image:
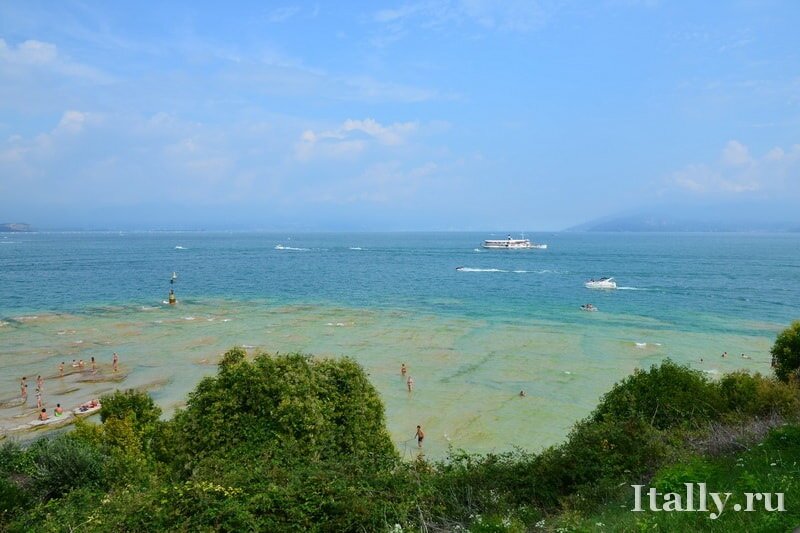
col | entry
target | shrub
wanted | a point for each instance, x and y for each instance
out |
(755, 395)
(63, 463)
(668, 395)
(289, 405)
(786, 352)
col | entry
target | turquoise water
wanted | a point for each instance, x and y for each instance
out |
(509, 321)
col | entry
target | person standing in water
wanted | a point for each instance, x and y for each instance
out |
(410, 383)
(115, 362)
(38, 398)
(403, 369)
(94, 366)
(39, 383)
(420, 436)
(23, 389)
(61, 369)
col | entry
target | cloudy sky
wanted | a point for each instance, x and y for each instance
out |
(436, 114)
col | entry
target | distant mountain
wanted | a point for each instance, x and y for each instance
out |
(668, 223)
(14, 227)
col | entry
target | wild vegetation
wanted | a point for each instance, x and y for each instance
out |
(296, 443)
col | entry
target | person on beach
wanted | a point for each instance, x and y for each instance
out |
(43, 414)
(61, 369)
(23, 389)
(403, 369)
(410, 383)
(420, 436)
(115, 362)
(58, 410)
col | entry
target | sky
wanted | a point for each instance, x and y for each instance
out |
(421, 115)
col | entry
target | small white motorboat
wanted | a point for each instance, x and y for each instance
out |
(602, 283)
(588, 307)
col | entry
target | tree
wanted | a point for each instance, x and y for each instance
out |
(786, 352)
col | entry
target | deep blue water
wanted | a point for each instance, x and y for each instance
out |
(677, 281)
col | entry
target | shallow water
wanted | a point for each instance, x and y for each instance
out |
(472, 339)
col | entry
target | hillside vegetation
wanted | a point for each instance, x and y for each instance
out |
(296, 443)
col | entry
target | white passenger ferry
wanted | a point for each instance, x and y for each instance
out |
(512, 244)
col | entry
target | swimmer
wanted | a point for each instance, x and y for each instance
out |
(724, 355)
(420, 436)
(410, 383)
(80, 364)
(522, 394)
(745, 356)
(403, 369)
(74, 364)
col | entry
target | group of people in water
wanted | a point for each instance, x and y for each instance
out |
(744, 356)
(419, 436)
(59, 411)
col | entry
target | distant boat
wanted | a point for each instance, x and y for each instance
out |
(602, 283)
(512, 244)
(588, 307)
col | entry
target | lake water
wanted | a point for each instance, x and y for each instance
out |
(510, 320)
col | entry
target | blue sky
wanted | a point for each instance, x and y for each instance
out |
(515, 115)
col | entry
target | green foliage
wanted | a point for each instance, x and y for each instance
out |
(755, 395)
(668, 395)
(131, 404)
(293, 443)
(63, 463)
(786, 352)
(291, 405)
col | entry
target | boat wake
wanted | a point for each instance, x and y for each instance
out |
(282, 247)
(632, 289)
(356, 248)
(467, 269)
(180, 248)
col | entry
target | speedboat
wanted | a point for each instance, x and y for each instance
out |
(588, 307)
(602, 283)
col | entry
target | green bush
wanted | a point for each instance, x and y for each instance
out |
(291, 405)
(755, 395)
(63, 463)
(667, 396)
(786, 352)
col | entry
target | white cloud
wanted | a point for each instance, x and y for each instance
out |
(39, 56)
(510, 15)
(737, 172)
(29, 52)
(351, 138)
(736, 154)
(282, 14)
